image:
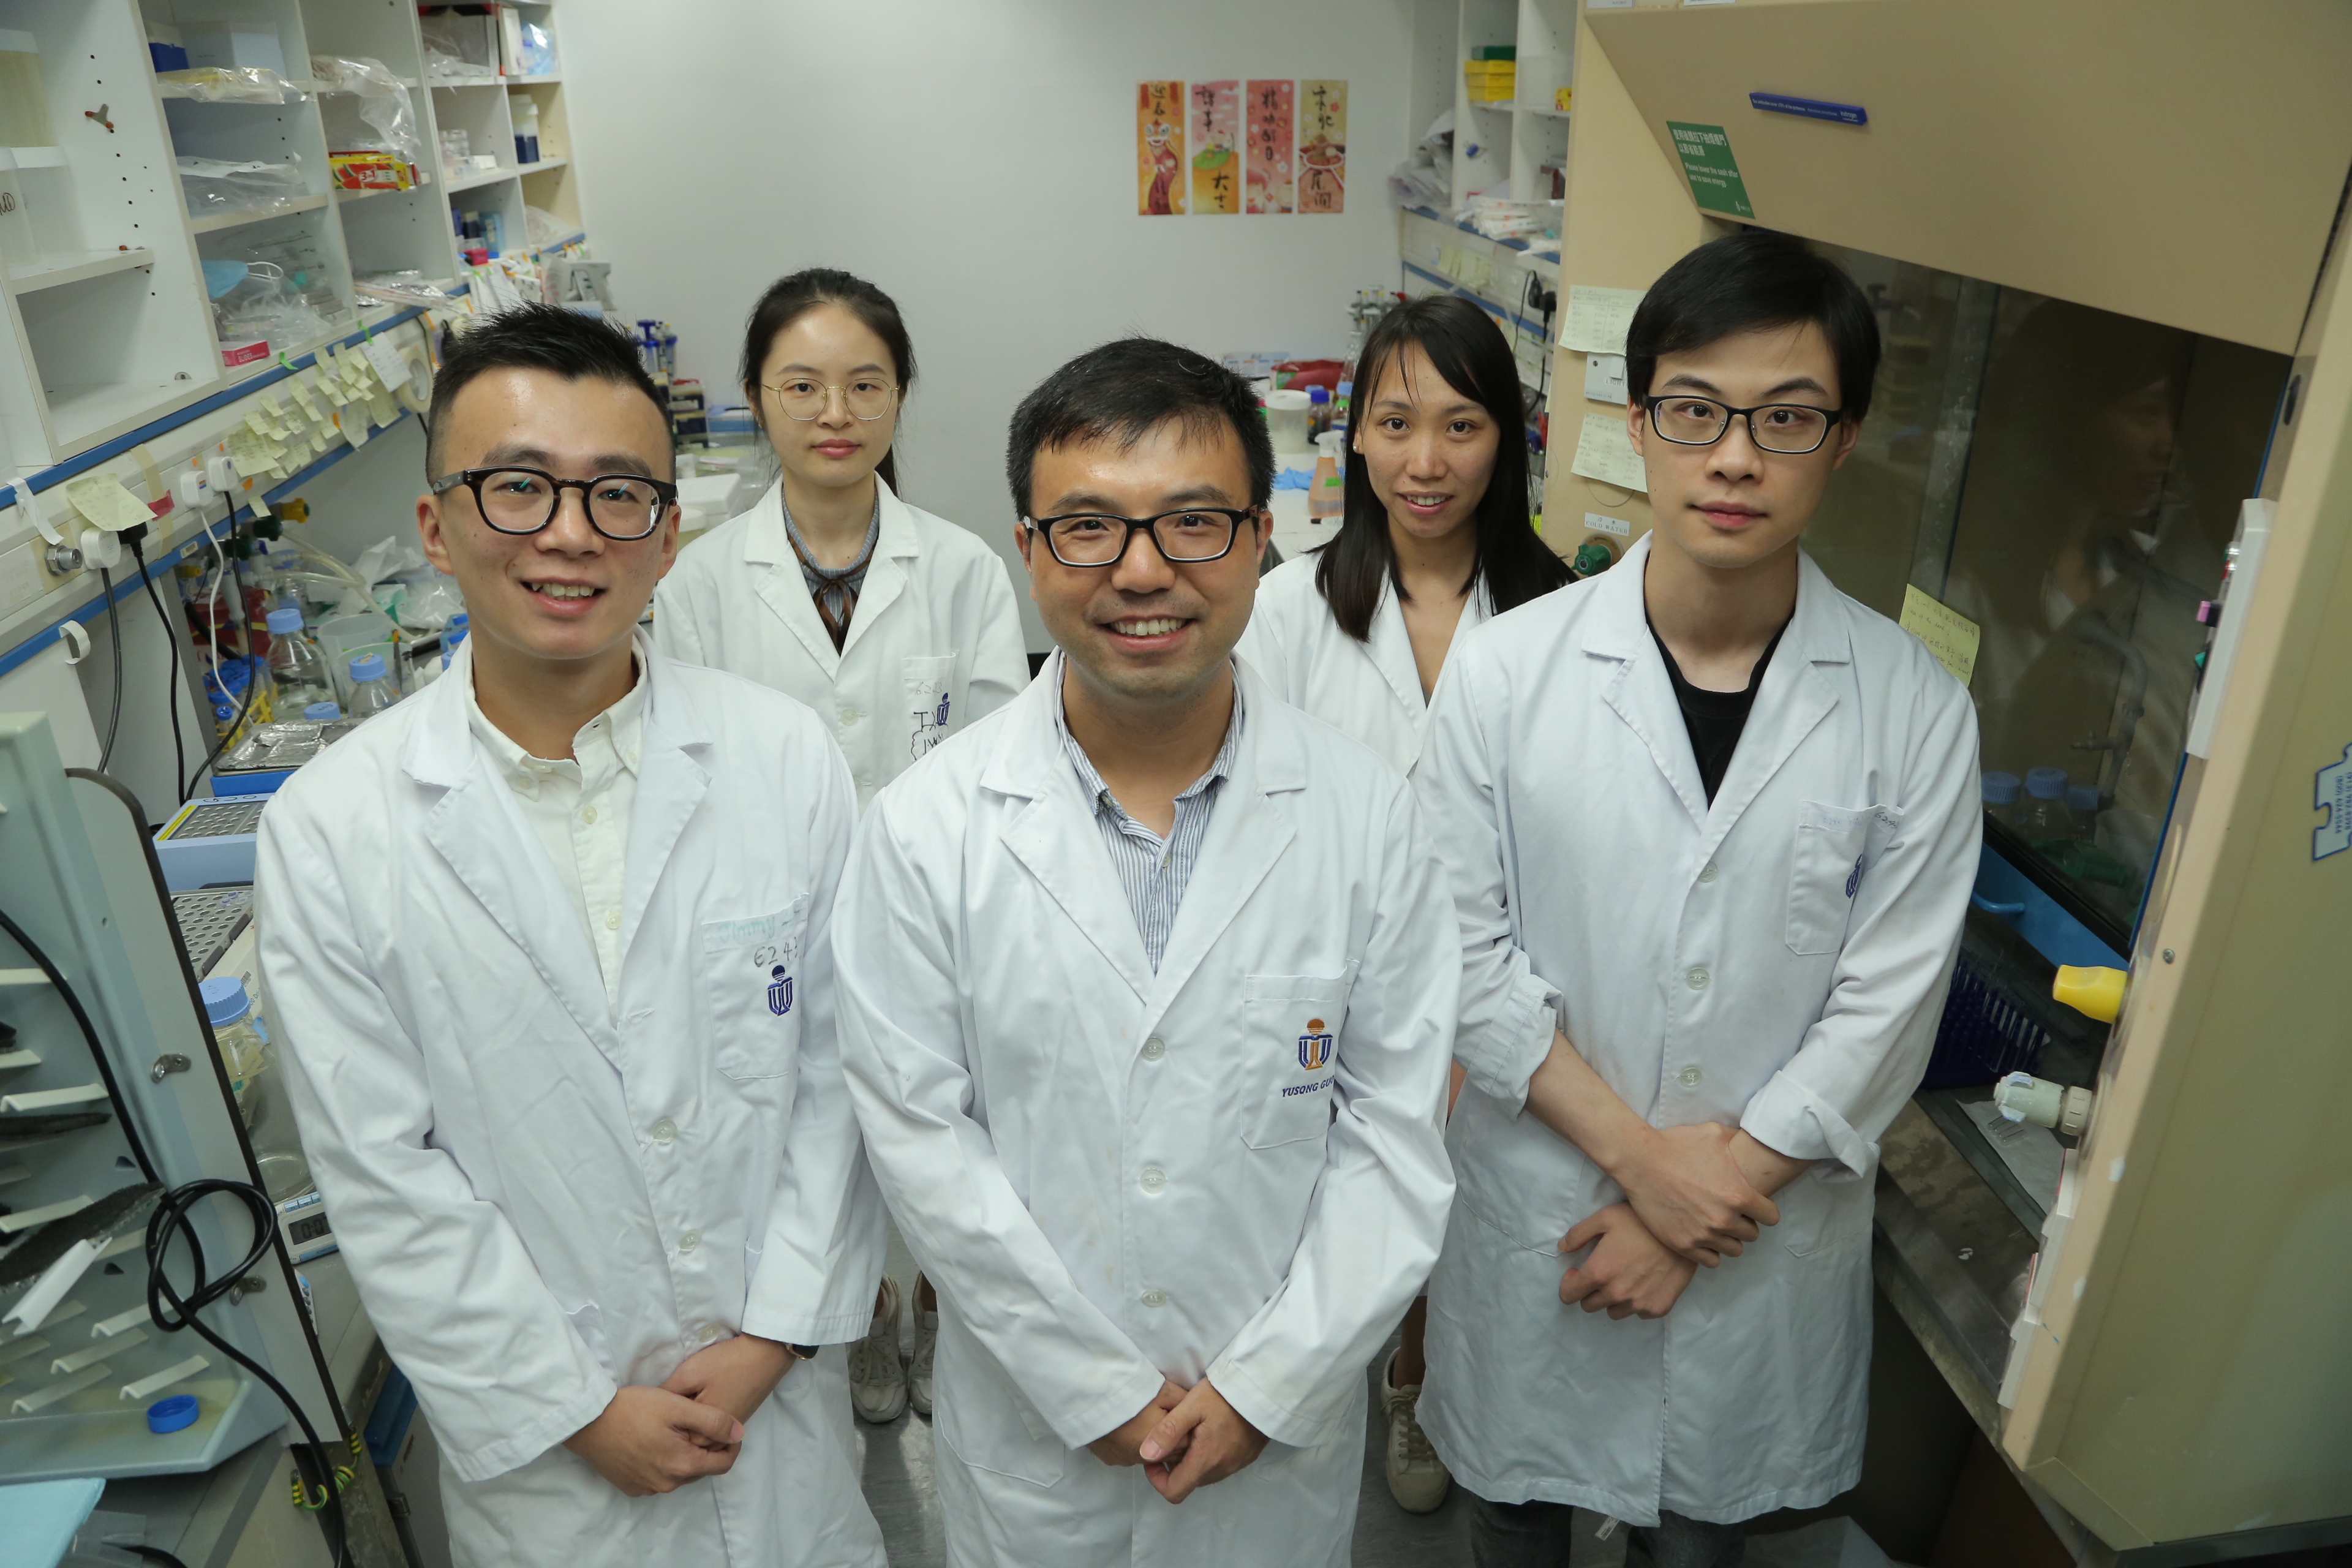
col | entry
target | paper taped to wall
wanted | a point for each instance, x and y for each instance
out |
(1604, 452)
(1596, 318)
(1951, 637)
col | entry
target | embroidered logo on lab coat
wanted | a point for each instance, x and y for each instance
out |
(1315, 1045)
(1855, 880)
(930, 727)
(780, 992)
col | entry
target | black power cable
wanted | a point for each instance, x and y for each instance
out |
(171, 1218)
(114, 636)
(171, 698)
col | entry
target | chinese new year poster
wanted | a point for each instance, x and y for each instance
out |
(1216, 146)
(1160, 148)
(1268, 183)
(1322, 146)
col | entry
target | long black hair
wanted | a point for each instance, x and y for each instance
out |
(1466, 348)
(789, 299)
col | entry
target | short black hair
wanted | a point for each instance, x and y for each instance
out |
(574, 346)
(1750, 280)
(1125, 390)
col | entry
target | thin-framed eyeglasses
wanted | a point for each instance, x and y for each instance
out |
(621, 506)
(803, 397)
(1184, 537)
(1790, 429)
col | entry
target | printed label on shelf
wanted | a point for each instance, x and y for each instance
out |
(1600, 523)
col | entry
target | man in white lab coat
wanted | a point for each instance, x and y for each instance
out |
(549, 946)
(1148, 986)
(1712, 826)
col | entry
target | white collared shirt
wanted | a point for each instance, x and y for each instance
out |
(580, 807)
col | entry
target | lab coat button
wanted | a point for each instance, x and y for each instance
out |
(1690, 1077)
(1708, 872)
(588, 815)
(1698, 977)
(851, 716)
(713, 1332)
(1154, 1049)
(664, 1131)
(1154, 1178)
(1155, 1297)
(612, 920)
(690, 1241)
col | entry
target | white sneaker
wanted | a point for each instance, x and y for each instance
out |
(1417, 1477)
(877, 1378)
(919, 1369)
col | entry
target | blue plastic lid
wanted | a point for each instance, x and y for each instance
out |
(368, 666)
(2046, 784)
(322, 712)
(285, 619)
(1318, 395)
(2083, 797)
(225, 1000)
(459, 622)
(1999, 789)
(171, 1414)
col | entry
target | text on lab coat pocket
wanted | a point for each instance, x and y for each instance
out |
(1834, 848)
(925, 679)
(1290, 1033)
(750, 979)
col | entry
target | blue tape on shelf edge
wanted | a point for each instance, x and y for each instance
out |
(388, 1422)
(1810, 107)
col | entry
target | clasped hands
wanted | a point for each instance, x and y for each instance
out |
(1184, 1439)
(653, 1440)
(1693, 1197)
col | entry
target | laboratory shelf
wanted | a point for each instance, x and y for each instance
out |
(536, 80)
(39, 157)
(472, 182)
(245, 215)
(541, 167)
(74, 267)
(451, 84)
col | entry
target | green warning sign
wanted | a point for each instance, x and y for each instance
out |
(1714, 173)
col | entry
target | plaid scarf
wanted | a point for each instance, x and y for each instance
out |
(835, 592)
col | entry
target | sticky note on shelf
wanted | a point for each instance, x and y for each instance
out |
(1595, 320)
(1951, 637)
(106, 502)
(390, 368)
(1604, 452)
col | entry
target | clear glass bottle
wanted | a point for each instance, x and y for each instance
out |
(240, 1032)
(2082, 809)
(2000, 792)
(297, 669)
(2042, 814)
(371, 688)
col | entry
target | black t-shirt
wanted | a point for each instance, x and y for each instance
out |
(1714, 719)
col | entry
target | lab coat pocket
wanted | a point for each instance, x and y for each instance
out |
(1820, 1209)
(925, 679)
(751, 990)
(983, 1418)
(1835, 846)
(1290, 1030)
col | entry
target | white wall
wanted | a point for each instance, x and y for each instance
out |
(976, 159)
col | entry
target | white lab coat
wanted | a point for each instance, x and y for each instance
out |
(1230, 1167)
(934, 644)
(1370, 690)
(1777, 961)
(543, 1194)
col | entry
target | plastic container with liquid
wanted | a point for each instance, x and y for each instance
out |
(371, 688)
(2042, 814)
(1287, 419)
(297, 668)
(1326, 492)
(237, 1029)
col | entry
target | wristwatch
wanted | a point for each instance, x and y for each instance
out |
(805, 1352)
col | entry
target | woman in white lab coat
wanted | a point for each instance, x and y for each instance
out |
(898, 627)
(1436, 539)
(1436, 536)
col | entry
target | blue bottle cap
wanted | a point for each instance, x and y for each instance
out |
(322, 712)
(1999, 789)
(171, 1414)
(284, 620)
(225, 1000)
(2083, 797)
(2046, 784)
(1318, 395)
(368, 666)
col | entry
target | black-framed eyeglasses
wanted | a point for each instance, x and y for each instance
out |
(1790, 429)
(621, 506)
(1184, 537)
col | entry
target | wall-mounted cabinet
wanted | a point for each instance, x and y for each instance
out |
(160, 241)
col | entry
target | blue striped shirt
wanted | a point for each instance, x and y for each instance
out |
(1151, 869)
